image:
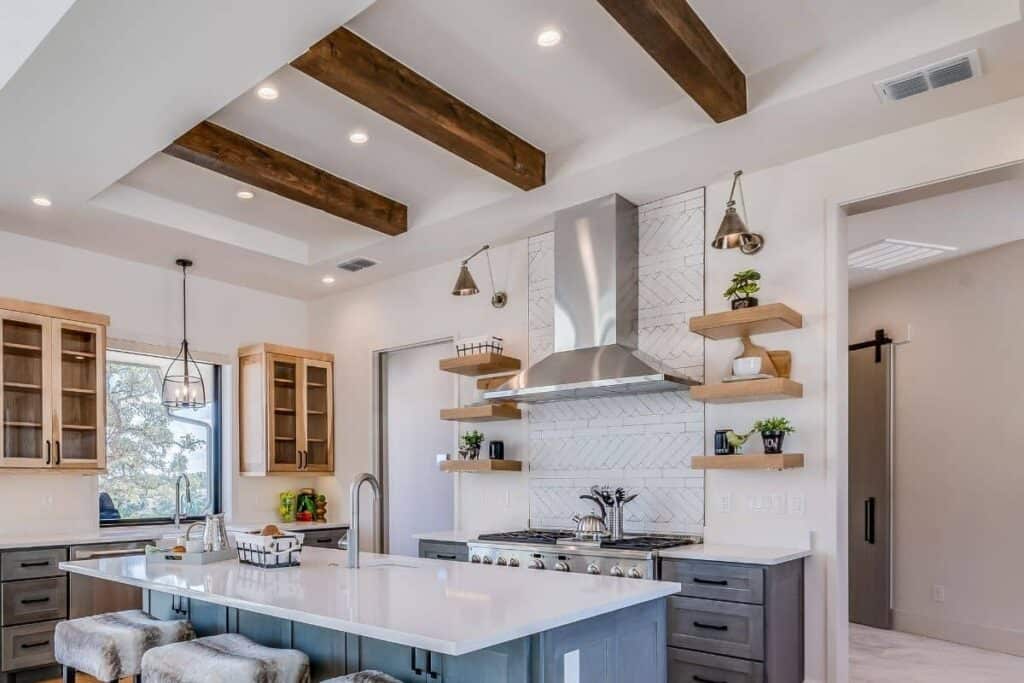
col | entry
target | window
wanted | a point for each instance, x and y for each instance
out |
(150, 445)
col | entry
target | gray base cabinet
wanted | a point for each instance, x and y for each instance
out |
(735, 623)
(627, 646)
(33, 598)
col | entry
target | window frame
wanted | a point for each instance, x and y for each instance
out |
(216, 454)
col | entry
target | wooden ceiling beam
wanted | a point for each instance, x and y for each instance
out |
(672, 33)
(358, 70)
(236, 156)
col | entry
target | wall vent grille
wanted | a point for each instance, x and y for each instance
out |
(354, 265)
(938, 75)
(888, 253)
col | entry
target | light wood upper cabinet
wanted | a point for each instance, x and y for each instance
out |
(286, 410)
(53, 393)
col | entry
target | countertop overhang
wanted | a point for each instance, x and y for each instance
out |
(451, 608)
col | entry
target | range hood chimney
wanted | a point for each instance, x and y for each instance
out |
(596, 309)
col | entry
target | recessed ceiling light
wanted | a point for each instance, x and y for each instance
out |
(244, 194)
(890, 253)
(266, 92)
(358, 137)
(40, 200)
(327, 280)
(549, 37)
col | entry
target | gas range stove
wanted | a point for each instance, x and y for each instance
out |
(541, 549)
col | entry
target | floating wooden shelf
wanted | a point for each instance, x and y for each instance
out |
(747, 321)
(481, 466)
(480, 364)
(487, 413)
(774, 389)
(748, 461)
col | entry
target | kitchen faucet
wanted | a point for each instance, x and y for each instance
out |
(353, 532)
(177, 498)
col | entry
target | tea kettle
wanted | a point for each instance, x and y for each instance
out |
(591, 527)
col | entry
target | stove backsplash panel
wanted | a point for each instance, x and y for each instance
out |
(645, 442)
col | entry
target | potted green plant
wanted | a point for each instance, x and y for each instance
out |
(471, 442)
(773, 431)
(743, 288)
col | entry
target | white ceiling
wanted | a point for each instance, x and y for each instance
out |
(85, 120)
(970, 220)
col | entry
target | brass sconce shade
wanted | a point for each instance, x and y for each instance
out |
(734, 232)
(465, 285)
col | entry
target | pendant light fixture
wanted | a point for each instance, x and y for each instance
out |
(183, 383)
(465, 285)
(733, 231)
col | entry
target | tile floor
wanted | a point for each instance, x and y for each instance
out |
(878, 656)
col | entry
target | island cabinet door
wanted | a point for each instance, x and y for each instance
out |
(407, 664)
(505, 663)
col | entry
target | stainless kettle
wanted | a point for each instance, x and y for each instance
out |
(591, 527)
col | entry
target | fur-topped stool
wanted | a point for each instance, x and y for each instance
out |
(229, 657)
(365, 677)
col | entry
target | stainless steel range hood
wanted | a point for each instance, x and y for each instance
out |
(596, 308)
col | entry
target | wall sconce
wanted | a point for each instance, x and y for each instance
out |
(465, 285)
(733, 231)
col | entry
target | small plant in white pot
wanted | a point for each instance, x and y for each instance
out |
(773, 431)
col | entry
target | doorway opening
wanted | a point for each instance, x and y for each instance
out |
(416, 496)
(934, 474)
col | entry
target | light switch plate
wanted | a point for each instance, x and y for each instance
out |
(725, 503)
(797, 504)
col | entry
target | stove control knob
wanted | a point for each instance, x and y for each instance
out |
(501, 561)
(488, 560)
(616, 571)
(475, 559)
(535, 564)
(593, 569)
(513, 561)
(562, 567)
(635, 573)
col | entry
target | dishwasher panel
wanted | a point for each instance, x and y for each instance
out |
(95, 596)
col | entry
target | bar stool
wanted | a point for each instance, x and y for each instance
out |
(226, 658)
(111, 646)
(365, 677)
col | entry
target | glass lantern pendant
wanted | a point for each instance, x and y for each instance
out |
(183, 383)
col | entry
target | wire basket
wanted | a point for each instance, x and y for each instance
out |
(471, 346)
(269, 552)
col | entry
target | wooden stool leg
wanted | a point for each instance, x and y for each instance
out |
(69, 675)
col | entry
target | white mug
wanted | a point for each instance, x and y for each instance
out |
(746, 367)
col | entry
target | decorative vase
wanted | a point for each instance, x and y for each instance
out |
(745, 302)
(286, 507)
(773, 442)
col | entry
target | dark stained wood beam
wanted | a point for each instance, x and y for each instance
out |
(358, 70)
(672, 33)
(226, 152)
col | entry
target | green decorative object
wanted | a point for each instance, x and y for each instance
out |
(742, 289)
(738, 440)
(471, 442)
(773, 432)
(286, 507)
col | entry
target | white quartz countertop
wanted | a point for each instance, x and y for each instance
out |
(119, 534)
(743, 554)
(448, 607)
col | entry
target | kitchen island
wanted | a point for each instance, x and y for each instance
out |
(419, 619)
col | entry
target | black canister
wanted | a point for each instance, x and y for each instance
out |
(497, 450)
(722, 445)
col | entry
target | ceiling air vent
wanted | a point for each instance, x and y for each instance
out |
(354, 265)
(888, 253)
(953, 70)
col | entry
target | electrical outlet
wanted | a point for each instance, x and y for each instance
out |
(939, 593)
(797, 504)
(778, 506)
(725, 503)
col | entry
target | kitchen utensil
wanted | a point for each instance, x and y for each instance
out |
(215, 536)
(783, 362)
(597, 501)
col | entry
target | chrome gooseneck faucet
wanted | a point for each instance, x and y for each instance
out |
(353, 532)
(177, 498)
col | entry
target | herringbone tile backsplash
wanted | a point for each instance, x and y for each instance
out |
(643, 443)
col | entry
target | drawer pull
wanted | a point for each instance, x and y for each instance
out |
(34, 601)
(446, 557)
(713, 627)
(323, 540)
(711, 582)
(701, 679)
(42, 563)
(28, 646)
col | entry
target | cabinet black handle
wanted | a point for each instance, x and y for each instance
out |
(42, 563)
(34, 601)
(711, 582)
(415, 669)
(323, 540)
(869, 520)
(47, 451)
(430, 666)
(713, 627)
(446, 557)
(41, 643)
(57, 443)
(701, 679)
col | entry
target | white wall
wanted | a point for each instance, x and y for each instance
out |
(956, 465)
(144, 304)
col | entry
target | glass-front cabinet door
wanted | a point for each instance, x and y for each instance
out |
(285, 436)
(78, 411)
(318, 454)
(26, 365)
